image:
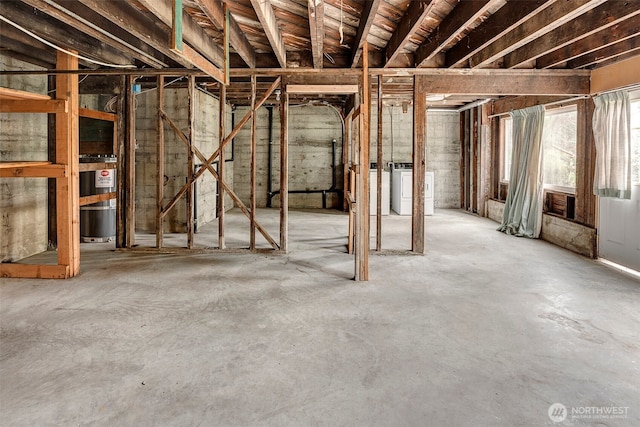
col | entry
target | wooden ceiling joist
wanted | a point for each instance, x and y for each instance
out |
(366, 21)
(604, 16)
(463, 14)
(626, 47)
(625, 30)
(408, 25)
(316, 31)
(214, 9)
(556, 15)
(508, 17)
(267, 18)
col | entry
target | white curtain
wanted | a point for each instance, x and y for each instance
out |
(523, 208)
(612, 134)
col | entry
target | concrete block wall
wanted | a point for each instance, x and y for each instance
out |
(442, 148)
(206, 140)
(23, 201)
(311, 131)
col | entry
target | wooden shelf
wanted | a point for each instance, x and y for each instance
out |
(98, 115)
(32, 170)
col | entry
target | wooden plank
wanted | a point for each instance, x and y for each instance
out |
(176, 25)
(316, 30)
(532, 30)
(195, 58)
(34, 106)
(505, 105)
(379, 169)
(475, 145)
(34, 271)
(586, 201)
(253, 167)
(98, 115)
(362, 195)
(215, 10)
(87, 167)
(95, 198)
(267, 17)
(160, 170)
(369, 12)
(604, 16)
(321, 89)
(130, 171)
(221, 165)
(508, 17)
(120, 137)
(462, 15)
(32, 170)
(346, 143)
(192, 135)
(284, 170)
(462, 157)
(419, 140)
(628, 46)
(7, 94)
(408, 25)
(617, 75)
(623, 31)
(503, 84)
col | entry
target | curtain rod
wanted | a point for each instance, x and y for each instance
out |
(548, 104)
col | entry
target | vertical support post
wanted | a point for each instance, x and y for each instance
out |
(252, 236)
(346, 143)
(379, 169)
(51, 182)
(495, 158)
(192, 136)
(121, 207)
(462, 159)
(362, 196)
(586, 201)
(67, 146)
(160, 166)
(130, 179)
(475, 159)
(284, 168)
(419, 137)
(221, 165)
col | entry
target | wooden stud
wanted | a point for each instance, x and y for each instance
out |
(121, 217)
(51, 183)
(67, 146)
(130, 171)
(160, 167)
(474, 159)
(419, 139)
(284, 170)
(586, 201)
(346, 143)
(190, 164)
(252, 196)
(462, 158)
(362, 192)
(379, 171)
(221, 164)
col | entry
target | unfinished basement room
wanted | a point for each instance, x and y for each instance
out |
(320, 213)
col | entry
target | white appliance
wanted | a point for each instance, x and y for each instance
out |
(373, 192)
(402, 189)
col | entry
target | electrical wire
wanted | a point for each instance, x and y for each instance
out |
(35, 36)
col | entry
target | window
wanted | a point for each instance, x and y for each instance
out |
(559, 139)
(635, 137)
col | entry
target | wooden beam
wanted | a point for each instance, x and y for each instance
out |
(513, 14)
(95, 198)
(31, 271)
(284, 169)
(68, 188)
(120, 136)
(503, 84)
(617, 75)
(629, 46)
(8, 94)
(628, 30)
(253, 167)
(215, 11)
(221, 164)
(586, 201)
(34, 106)
(379, 169)
(130, 170)
(86, 167)
(316, 31)
(604, 16)
(369, 12)
(98, 115)
(505, 105)
(475, 145)
(362, 235)
(321, 89)
(463, 150)
(419, 168)
(462, 15)
(267, 18)
(32, 170)
(407, 27)
(191, 133)
(160, 164)
(531, 30)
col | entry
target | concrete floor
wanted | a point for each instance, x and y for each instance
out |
(484, 330)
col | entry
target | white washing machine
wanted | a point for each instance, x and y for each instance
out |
(373, 192)
(402, 189)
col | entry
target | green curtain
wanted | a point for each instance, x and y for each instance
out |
(523, 209)
(612, 134)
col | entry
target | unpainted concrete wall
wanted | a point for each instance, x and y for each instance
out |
(311, 131)
(206, 140)
(23, 201)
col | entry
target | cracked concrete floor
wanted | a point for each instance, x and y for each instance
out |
(484, 330)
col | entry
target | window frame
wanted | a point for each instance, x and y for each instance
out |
(554, 111)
